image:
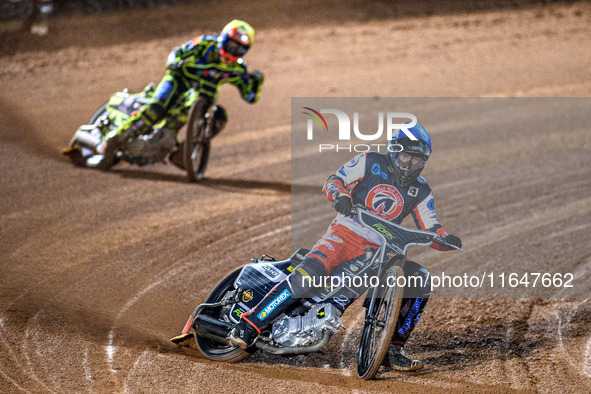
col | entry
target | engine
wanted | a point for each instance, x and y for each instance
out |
(152, 147)
(307, 329)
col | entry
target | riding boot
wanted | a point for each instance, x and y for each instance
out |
(114, 142)
(398, 360)
(177, 157)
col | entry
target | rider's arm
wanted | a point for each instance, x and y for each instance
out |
(426, 219)
(351, 172)
(249, 85)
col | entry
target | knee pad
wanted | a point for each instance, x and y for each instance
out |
(154, 112)
(220, 119)
(303, 277)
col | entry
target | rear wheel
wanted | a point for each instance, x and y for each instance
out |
(196, 142)
(209, 348)
(99, 112)
(380, 324)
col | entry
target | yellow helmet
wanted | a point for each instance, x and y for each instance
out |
(235, 40)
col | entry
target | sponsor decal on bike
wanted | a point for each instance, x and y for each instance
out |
(285, 294)
(334, 238)
(270, 271)
(247, 296)
(377, 170)
(238, 312)
(320, 313)
(383, 230)
(353, 267)
(385, 199)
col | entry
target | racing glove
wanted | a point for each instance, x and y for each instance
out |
(257, 76)
(256, 80)
(343, 204)
(453, 240)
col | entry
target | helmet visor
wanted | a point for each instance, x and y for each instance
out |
(235, 48)
(406, 161)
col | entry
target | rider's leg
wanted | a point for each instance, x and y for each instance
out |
(414, 302)
(220, 119)
(337, 245)
(297, 285)
(150, 114)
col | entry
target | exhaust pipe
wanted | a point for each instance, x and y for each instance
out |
(217, 330)
(83, 138)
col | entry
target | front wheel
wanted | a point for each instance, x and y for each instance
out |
(211, 349)
(380, 323)
(197, 142)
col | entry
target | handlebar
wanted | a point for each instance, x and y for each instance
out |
(437, 238)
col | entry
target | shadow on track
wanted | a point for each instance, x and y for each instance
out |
(214, 183)
(15, 128)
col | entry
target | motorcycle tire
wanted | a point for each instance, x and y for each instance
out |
(211, 349)
(380, 324)
(197, 146)
(98, 113)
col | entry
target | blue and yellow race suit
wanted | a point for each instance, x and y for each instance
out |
(197, 63)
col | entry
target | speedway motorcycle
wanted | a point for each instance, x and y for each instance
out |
(308, 326)
(192, 109)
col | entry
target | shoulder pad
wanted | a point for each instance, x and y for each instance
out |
(422, 180)
(197, 40)
(211, 37)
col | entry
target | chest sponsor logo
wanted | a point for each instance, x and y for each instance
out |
(377, 170)
(385, 199)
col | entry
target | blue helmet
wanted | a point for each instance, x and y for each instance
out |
(408, 157)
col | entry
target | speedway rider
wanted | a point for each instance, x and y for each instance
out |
(390, 184)
(209, 60)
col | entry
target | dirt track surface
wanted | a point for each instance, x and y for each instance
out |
(99, 270)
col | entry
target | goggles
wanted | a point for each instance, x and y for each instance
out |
(234, 48)
(408, 161)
